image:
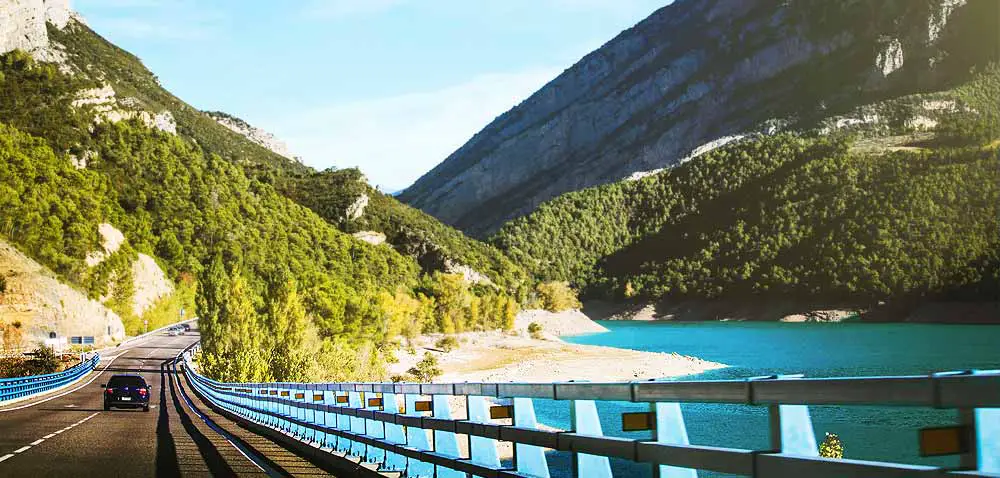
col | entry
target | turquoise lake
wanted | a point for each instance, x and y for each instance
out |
(812, 349)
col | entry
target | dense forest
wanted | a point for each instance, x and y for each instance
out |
(790, 215)
(281, 293)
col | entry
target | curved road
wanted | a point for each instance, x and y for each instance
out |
(72, 435)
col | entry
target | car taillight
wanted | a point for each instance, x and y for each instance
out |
(110, 391)
(143, 392)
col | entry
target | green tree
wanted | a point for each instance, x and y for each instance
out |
(557, 296)
(426, 370)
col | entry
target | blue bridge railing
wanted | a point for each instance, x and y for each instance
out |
(409, 428)
(23, 387)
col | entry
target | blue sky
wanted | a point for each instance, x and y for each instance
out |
(390, 86)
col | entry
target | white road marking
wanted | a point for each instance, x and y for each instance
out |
(50, 435)
(37, 441)
(5, 457)
(23, 448)
(72, 405)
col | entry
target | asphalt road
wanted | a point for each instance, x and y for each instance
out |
(72, 435)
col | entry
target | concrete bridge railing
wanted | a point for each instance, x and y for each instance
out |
(408, 428)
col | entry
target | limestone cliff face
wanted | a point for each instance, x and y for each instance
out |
(22, 23)
(253, 133)
(692, 73)
(44, 306)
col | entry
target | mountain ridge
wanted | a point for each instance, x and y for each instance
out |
(691, 73)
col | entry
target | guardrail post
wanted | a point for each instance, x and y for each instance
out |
(791, 427)
(482, 451)
(986, 450)
(355, 400)
(416, 438)
(344, 445)
(670, 429)
(529, 459)
(374, 429)
(445, 443)
(300, 397)
(586, 422)
(393, 434)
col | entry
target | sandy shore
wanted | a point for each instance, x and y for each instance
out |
(515, 357)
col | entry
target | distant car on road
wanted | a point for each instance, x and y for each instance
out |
(187, 327)
(126, 391)
(173, 331)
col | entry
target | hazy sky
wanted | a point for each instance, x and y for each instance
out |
(390, 86)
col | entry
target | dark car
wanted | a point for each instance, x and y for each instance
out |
(126, 391)
(187, 327)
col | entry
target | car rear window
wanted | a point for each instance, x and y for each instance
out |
(117, 382)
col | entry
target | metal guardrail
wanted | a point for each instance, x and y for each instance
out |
(367, 421)
(22, 387)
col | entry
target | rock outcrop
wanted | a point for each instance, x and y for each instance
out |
(372, 237)
(253, 133)
(48, 310)
(692, 73)
(22, 24)
(149, 282)
(107, 107)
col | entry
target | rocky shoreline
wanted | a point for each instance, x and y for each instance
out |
(950, 312)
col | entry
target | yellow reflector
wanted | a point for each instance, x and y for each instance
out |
(375, 402)
(284, 393)
(638, 421)
(341, 398)
(422, 406)
(300, 396)
(318, 397)
(263, 392)
(501, 411)
(944, 441)
(274, 392)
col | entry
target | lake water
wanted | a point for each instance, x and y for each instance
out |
(813, 349)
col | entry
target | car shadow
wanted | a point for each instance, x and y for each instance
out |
(166, 451)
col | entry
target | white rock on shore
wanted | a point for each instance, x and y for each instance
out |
(563, 324)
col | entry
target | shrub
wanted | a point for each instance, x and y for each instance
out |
(557, 296)
(3, 284)
(831, 447)
(45, 361)
(13, 336)
(447, 343)
(426, 370)
(535, 330)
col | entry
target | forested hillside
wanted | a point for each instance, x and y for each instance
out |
(282, 294)
(436, 246)
(809, 216)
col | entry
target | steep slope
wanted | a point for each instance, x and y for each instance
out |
(281, 292)
(138, 88)
(254, 134)
(346, 200)
(694, 72)
(896, 201)
(34, 302)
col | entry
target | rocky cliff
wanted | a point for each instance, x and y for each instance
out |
(22, 23)
(253, 134)
(695, 72)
